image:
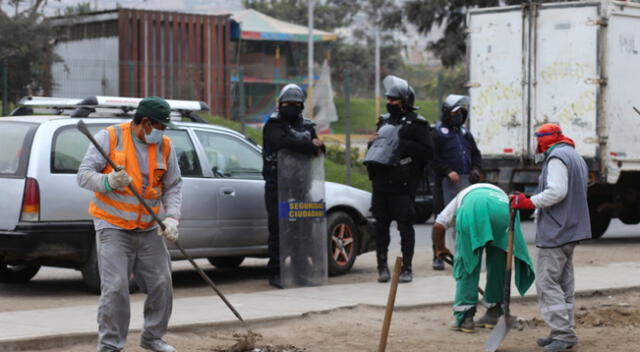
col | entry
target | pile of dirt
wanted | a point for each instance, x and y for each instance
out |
(611, 317)
(247, 343)
(593, 317)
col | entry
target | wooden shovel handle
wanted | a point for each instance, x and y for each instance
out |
(391, 300)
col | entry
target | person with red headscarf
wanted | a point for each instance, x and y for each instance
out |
(562, 220)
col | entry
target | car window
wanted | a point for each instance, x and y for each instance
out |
(185, 152)
(69, 148)
(15, 142)
(230, 157)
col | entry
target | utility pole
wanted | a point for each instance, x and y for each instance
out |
(5, 87)
(377, 71)
(347, 116)
(310, 61)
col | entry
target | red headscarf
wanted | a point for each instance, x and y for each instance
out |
(549, 135)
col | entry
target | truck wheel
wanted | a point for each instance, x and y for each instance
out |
(343, 241)
(599, 225)
(599, 221)
(226, 262)
(14, 274)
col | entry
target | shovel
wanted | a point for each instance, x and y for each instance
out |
(505, 322)
(82, 127)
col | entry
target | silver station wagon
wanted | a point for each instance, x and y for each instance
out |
(43, 212)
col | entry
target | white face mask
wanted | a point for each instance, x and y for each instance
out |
(154, 137)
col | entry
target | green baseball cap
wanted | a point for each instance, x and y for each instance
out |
(157, 109)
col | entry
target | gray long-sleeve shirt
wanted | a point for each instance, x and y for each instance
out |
(91, 178)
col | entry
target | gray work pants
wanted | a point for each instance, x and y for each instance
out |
(120, 253)
(556, 286)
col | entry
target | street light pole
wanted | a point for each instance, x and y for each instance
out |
(310, 61)
(377, 71)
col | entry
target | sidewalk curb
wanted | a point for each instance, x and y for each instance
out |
(63, 340)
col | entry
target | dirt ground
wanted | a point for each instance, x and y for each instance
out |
(605, 322)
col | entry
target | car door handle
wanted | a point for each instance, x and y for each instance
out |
(228, 192)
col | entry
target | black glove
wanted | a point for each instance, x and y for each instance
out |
(474, 176)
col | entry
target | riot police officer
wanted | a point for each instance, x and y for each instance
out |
(456, 158)
(285, 129)
(396, 158)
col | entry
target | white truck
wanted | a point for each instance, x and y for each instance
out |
(576, 64)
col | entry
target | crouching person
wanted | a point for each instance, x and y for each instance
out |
(128, 240)
(480, 216)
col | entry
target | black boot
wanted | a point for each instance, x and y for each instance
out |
(490, 318)
(383, 268)
(406, 274)
(466, 324)
(383, 274)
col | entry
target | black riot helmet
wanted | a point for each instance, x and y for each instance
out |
(455, 110)
(398, 88)
(291, 92)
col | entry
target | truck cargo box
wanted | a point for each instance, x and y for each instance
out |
(571, 63)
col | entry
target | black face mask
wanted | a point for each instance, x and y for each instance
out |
(394, 110)
(456, 120)
(291, 112)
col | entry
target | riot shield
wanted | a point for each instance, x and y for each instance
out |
(302, 220)
(384, 149)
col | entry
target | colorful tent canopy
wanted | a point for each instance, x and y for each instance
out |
(258, 26)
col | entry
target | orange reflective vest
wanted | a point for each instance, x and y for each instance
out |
(121, 207)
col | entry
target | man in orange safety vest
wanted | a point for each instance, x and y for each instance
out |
(125, 233)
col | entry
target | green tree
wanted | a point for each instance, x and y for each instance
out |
(26, 42)
(426, 14)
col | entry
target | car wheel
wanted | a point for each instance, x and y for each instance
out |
(91, 274)
(226, 262)
(13, 274)
(343, 241)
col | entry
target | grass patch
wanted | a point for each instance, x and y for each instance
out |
(363, 114)
(335, 172)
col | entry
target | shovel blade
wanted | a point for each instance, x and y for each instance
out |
(498, 333)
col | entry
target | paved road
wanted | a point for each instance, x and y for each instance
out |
(64, 287)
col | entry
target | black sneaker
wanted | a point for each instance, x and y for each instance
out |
(406, 275)
(438, 264)
(383, 274)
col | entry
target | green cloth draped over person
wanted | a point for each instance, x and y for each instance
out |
(480, 214)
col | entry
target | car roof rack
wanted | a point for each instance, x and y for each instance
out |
(104, 106)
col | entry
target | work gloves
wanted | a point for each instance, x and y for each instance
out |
(170, 231)
(519, 201)
(118, 179)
